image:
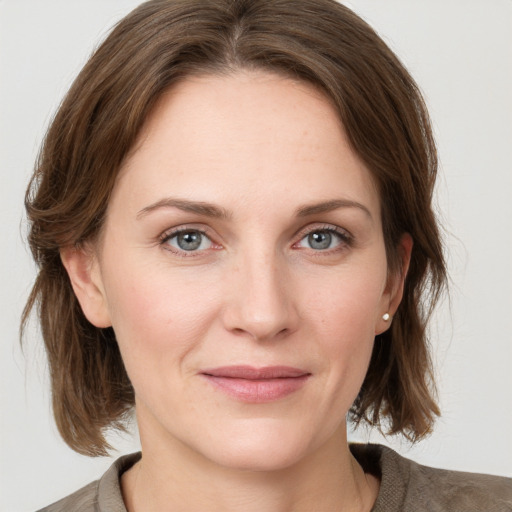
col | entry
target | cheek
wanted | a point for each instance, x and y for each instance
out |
(348, 301)
(158, 315)
(343, 314)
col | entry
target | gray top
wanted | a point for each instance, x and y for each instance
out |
(405, 486)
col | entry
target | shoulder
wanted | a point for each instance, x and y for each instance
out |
(83, 500)
(439, 489)
(103, 495)
(407, 485)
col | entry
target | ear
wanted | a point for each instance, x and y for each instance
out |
(82, 266)
(395, 285)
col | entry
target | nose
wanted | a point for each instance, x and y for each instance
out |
(259, 298)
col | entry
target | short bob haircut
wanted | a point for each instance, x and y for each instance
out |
(158, 45)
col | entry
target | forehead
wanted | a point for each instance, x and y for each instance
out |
(250, 132)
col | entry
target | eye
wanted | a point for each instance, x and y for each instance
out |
(323, 239)
(189, 240)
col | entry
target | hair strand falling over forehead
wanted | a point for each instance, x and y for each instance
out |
(157, 45)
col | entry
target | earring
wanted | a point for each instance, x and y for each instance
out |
(386, 317)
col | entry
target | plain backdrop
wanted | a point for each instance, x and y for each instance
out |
(460, 52)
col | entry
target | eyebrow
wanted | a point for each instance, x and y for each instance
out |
(217, 212)
(198, 207)
(329, 206)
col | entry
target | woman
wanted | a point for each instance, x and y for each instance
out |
(232, 217)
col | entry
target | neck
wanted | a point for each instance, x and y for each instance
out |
(170, 476)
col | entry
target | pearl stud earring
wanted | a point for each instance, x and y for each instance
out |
(386, 317)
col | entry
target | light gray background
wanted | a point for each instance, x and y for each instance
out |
(460, 51)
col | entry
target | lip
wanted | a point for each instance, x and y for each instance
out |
(256, 385)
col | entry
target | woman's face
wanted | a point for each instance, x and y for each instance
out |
(243, 269)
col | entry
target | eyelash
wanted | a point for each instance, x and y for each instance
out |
(346, 239)
(168, 235)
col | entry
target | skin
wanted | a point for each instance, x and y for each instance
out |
(258, 147)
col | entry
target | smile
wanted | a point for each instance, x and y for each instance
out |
(256, 385)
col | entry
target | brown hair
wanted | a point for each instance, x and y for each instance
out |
(155, 46)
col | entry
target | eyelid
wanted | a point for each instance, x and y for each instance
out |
(169, 233)
(311, 228)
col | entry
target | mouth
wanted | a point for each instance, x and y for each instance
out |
(256, 385)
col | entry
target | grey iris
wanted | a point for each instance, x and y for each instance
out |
(189, 241)
(320, 240)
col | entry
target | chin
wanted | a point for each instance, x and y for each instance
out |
(258, 448)
(258, 459)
